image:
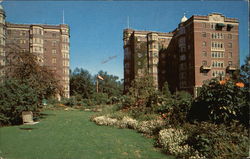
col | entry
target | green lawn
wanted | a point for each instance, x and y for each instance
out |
(70, 135)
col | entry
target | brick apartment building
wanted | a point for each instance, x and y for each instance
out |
(200, 48)
(49, 42)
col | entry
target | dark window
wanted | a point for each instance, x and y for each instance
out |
(204, 34)
(204, 54)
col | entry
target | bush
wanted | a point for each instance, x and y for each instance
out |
(218, 141)
(151, 126)
(16, 97)
(99, 98)
(220, 102)
(70, 102)
(181, 107)
(173, 141)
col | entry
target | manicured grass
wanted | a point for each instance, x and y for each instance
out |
(70, 135)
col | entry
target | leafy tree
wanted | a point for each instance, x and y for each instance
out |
(25, 67)
(110, 85)
(81, 83)
(245, 72)
(16, 96)
(142, 89)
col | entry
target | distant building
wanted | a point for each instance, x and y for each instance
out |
(200, 48)
(49, 42)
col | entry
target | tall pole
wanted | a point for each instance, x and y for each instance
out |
(128, 22)
(63, 16)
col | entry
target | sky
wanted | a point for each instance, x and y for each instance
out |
(96, 27)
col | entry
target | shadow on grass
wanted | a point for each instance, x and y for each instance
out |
(27, 128)
(44, 115)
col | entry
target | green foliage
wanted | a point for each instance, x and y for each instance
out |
(181, 107)
(83, 86)
(127, 101)
(110, 85)
(69, 101)
(16, 97)
(99, 98)
(245, 72)
(81, 83)
(165, 90)
(220, 102)
(28, 71)
(218, 141)
(141, 89)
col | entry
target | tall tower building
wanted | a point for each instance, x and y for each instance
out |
(142, 55)
(200, 48)
(207, 48)
(50, 43)
(2, 41)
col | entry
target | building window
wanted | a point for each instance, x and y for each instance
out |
(216, 54)
(53, 60)
(230, 55)
(217, 45)
(213, 26)
(22, 33)
(204, 34)
(53, 51)
(218, 73)
(229, 36)
(204, 53)
(204, 43)
(230, 45)
(217, 36)
(53, 35)
(203, 25)
(230, 63)
(22, 41)
(53, 43)
(217, 64)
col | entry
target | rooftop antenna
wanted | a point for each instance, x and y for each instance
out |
(63, 16)
(128, 22)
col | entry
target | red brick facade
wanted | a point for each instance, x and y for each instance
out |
(49, 42)
(200, 48)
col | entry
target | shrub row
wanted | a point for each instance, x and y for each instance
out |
(200, 140)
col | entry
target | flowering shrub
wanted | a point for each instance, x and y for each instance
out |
(221, 102)
(104, 120)
(174, 142)
(148, 127)
(151, 126)
(128, 122)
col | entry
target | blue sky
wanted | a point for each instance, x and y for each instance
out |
(97, 26)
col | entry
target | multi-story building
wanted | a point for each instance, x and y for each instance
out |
(50, 43)
(200, 48)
